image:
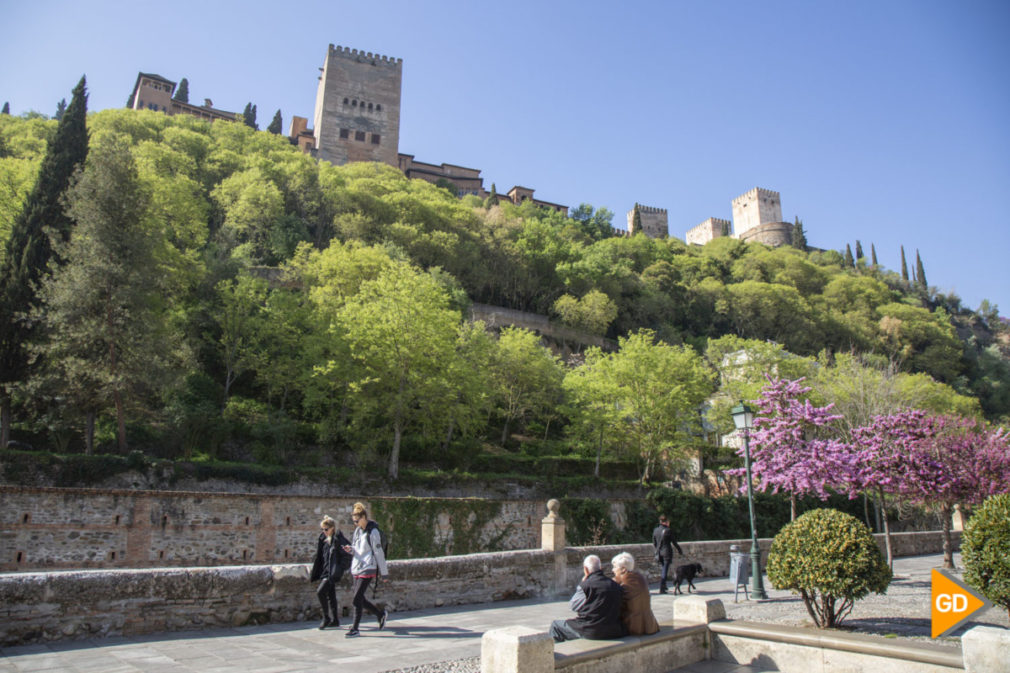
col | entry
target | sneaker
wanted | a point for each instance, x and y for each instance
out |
(382, 619)
(323, 624)
(351, 633)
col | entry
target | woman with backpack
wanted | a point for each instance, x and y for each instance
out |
(329, 565)
(369, 563)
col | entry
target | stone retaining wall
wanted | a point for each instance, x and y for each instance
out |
(39, 606)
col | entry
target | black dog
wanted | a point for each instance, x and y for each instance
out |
(686, 573)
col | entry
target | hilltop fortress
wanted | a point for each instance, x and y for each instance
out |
(357, 118)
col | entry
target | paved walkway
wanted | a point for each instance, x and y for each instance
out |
(424, 636)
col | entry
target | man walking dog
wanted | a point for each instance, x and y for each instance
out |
(662, 540)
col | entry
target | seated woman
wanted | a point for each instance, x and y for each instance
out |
(636, 605)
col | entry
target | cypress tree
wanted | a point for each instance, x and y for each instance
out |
(182, 91)
(859, 250)
(798, 239)
(904, 265)
(920, 273)
(492, 199)
(7, 108)
(276, 124)
(29, 249)
(61, 107)
(636, 220)
(873, 255)
(849, 262)
(249, 116)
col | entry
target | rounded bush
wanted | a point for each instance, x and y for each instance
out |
(831, 559)
(985, 550)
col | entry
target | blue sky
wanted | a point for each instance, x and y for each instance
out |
(886, 122)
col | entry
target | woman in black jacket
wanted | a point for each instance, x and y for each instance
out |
(328, 567)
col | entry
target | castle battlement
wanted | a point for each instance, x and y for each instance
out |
(361, 55)
(650, 209)
(757, 192)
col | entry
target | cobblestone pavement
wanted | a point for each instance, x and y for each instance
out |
(415, 641)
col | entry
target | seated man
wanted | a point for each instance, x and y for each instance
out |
(597, 601)
(636, 608)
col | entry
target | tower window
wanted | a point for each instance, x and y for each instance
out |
(346, 101)
(344, 134)
(369, 106)
(378, 108)
(354, 103)
(359, 136)
(375, 138)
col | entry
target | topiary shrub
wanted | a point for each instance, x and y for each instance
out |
(985, 550)
(830, 559)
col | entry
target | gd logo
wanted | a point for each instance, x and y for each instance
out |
(954, 603)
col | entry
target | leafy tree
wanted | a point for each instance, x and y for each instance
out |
(249, 116)
(239, 322)
(595, 224)
(594, 404)
(798, 239)
(920, 272)
(182, 91)
(985, 549)
(526, 378)
(400, 334)
(593, 313)
(103, 307)
(831, 560)
(904, 266)
(276, 123)
(29, 251)
(921, 340)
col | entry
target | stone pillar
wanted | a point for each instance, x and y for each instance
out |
(552, 528)
(697, 610)
(985, 649)
(516, 649)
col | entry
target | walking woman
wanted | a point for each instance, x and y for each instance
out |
(328, 568)
(369, 561)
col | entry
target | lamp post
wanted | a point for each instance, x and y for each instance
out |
(743, 418)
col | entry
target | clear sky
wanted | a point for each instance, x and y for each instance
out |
(884, 121)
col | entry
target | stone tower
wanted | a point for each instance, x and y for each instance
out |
(357, 115)
(655, 222)
(754, 208)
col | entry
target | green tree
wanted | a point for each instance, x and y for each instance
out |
(182, 91)
(859, 250)
(661, 388)
(28, 251)
(920, 272)
(921, 340)
(986, 550)
(104, 312)
(595, 224)
(492, 199)
(401, 334)
(849, 261)
(6, 108)
(525, 377)
(799, 237)
(239, 323)
(593, 407)
(61, 108)
(593, 313)
(873, 255)
(249, 116)
(636, 219)
(276, 124)
(904, 265)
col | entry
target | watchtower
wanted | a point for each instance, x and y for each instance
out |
(655, 222)
(754, 208)
(357, 116)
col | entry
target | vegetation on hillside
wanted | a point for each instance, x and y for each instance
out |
(259, 305)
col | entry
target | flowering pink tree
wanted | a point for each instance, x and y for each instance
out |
(785, 453)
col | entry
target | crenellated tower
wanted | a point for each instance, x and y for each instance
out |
(357, 116)
(655, 221)
(754, 208)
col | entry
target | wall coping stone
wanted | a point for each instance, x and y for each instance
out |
(859, 643)
(572, 652)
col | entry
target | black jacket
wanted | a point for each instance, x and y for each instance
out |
(328, 558)
(662, 540)
(600, 616)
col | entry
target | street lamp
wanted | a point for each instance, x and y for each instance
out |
(743, 418)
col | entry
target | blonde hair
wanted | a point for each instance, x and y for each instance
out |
(359, 510)
(623, 561)
(327, 522)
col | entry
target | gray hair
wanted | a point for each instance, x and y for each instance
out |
(592, 563)
(624, 561)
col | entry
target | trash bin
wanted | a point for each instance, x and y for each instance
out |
(739, 571)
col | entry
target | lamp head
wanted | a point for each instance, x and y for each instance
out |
(743, 416)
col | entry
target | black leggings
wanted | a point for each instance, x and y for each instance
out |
(327, 593)
(360, 587)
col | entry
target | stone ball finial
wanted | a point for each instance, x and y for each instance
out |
(553, 506)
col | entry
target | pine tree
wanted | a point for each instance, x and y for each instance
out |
(799, 237)
(249, 116)
(492, 199)
(849, 262)
(859, 250)
(29, 249)
(920, 273)
(7, 108)
(61, 107)
(182, 91)
(873, 255)
(636, 220)
(276, 124)
(904, 265)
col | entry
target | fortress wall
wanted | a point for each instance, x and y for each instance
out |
(62, 528)
(44, 606)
